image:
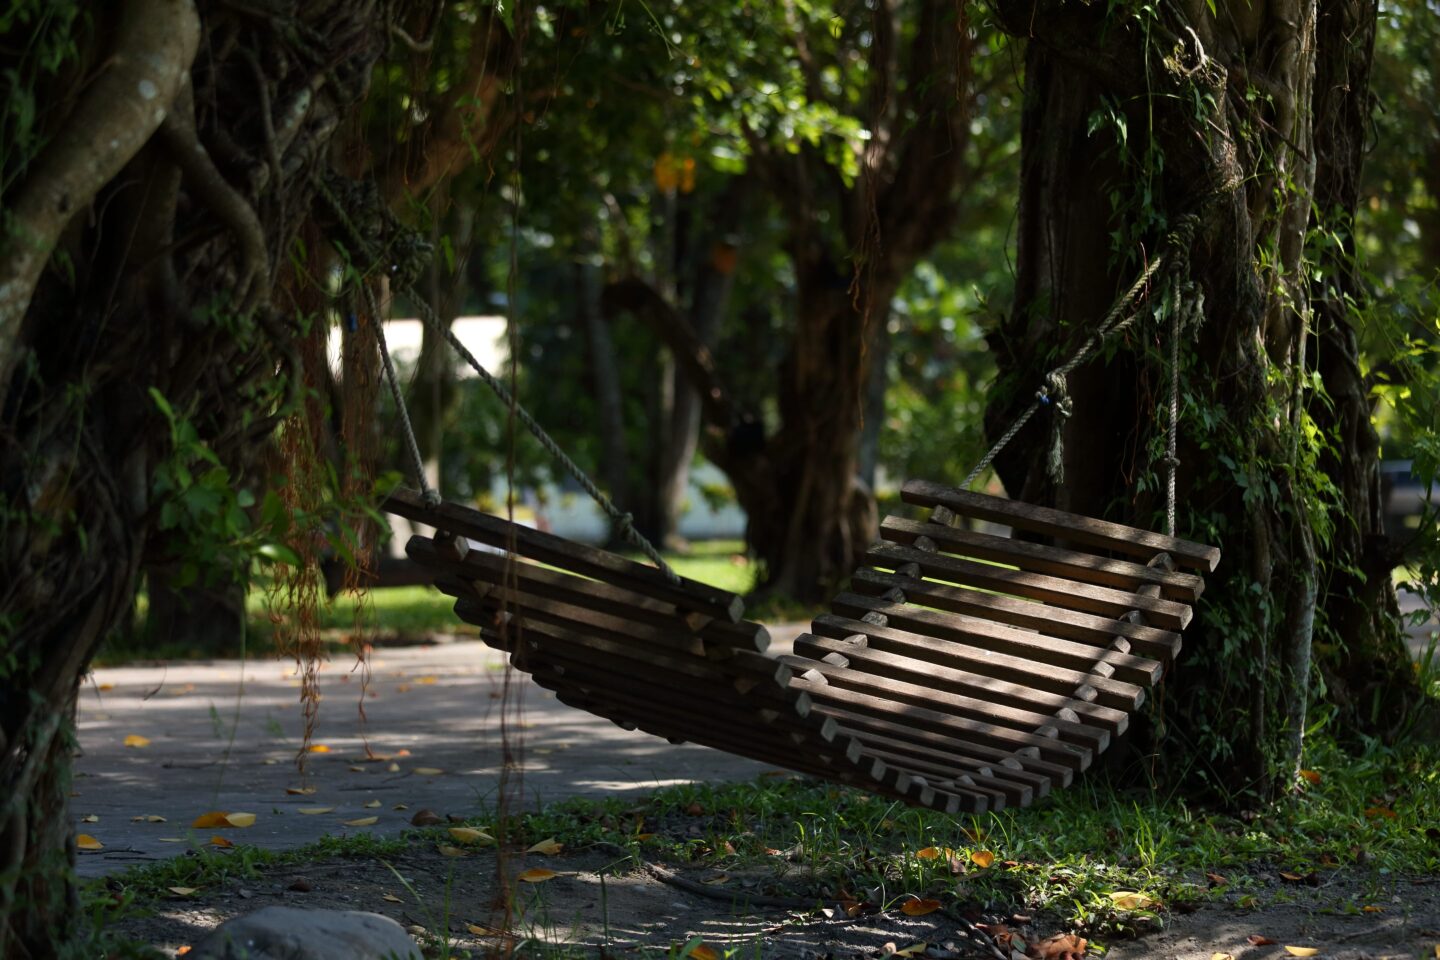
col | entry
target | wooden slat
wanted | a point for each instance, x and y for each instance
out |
(1001, 638)
(988, 734)
(961, 682)
(1034, 586)
(1132, 541)
(565, 554)
(1040, 558)
(594, 594)
(1020, 787)
(935, 774)
(1090, 737)
(947, 653)
(1163, 645)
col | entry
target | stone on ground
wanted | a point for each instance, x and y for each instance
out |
(290, 933)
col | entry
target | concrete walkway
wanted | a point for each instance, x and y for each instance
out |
(435, 713)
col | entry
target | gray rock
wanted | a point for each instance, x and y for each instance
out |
(291, 933)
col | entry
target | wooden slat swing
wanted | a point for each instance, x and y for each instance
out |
(960, 670)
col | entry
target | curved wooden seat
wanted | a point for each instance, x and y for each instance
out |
(962, 670)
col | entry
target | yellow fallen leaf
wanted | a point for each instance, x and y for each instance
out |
(427, 679)
(106, 686)
(147, 818)
(401, 806)
(914, 950)
(183, 891)
(371, 805)
(135, 740)
(449, 851)
(221, 842)
(469, 835)
(240, 819)
(402, 688)
(547, 846)
(1133, 901)
(319, 748)
(362, 822)
(215, 818)
(537, 875)
(1222, 956)
(1372, 908)
(315, 811)
(933, 853)
(91, 818)
(299, 791)
(1310, 775)
(701, 952)
(982, 858)
(1301, 951)
(393, 768)
(391, 898)
(183, 950)
(86, 842)
(480, 931)
(428, 771)
(918, 908)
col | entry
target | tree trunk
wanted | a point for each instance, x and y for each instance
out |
(146, 357)
(1214, 116)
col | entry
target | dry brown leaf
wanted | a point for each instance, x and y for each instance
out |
(701, 952)
(391, 898)
(719, 878)
(183, 891)
(319, 748)
(469, 835)
(1386, 812)
(135, 740)
(1310, 775)
(1372, 908)
(537, 875)
(1061, 946)
(299, 791)
(934, 853)
(314, 811)
(549, 847)
(215, 818)
(402, 688)
(427, 771)
(86, 842)
(1216, 879)
(221, 842)
(982, 858)
(1301, 951)
(918, 908)
(425, 817)
(362, 822)
(695, 809)
(1258, 940)
(181, 951)
(147, 818)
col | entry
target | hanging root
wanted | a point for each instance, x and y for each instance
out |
(155, 43)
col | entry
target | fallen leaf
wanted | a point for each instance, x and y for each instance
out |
(240, 819)
(537, 875)
(1310, 775)
(299, 791)
(1061, 946)
(1372, 908)
(86, 842)
(548, 847)
(1301, 951)
(701, 952)
(426, 818)
(402, 752)
(402, 688)
(933, 853)
(183, 950)
(982, 858)
(720, 878)
(183, 891)
(356, 768)
(480, 931)
(427, 771)
(469, 834)
(1216, 879)
(314, 811)
(147, 818)
(695, 809)
(221, 842)
(1374, 812)
(215, 818)
(371, 804)
(1293, 877)
(135, 740)
(427, 679)
(90, 819)
(106, 686)
(401, 806)
(319, 748)
(1256, 940)
(172, 839)
(449, 851)
(393, 768)
(1133, 901)
(914, 950)
(1222, 956)
(362, 822)
(391, 898)
(918, 908)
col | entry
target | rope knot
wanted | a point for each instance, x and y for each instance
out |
(432, 496)
(1171, 461)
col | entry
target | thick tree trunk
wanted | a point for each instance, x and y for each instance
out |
(171, 196)
(1226, 103)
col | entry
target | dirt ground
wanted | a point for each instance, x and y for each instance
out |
(611, 906)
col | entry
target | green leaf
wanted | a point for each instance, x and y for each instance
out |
(278, 553)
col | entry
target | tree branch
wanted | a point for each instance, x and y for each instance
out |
(155, 43)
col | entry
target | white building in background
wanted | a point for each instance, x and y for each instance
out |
(567, 512)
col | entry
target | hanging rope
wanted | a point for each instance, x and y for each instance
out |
(624, 522)
(1121, 317)
(417, 464)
